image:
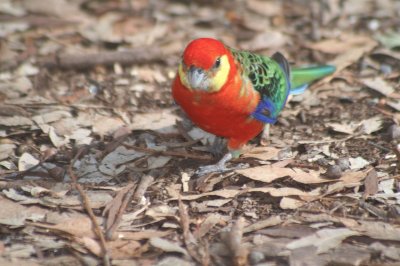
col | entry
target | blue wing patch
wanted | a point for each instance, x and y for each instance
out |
(265, 112)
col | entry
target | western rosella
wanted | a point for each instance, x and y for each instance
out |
(233, 93)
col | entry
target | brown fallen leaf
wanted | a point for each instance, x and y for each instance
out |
(233, 240)
(262, 153)
(27, 161)
(167, 246)
(378, 230)
(339, 45)
(269, 222)
(142, 235)
(323, 240)
(126, 249)
(265, 8)
(12, 121)
(287, 203)
(212, 220)
(378, 84)
(15, 214)
(371, 184)
(269, 173)
(115, 208)
(225, 193)
(346, 128)
(285, 191)
(351, 56)
(160, 121)
(267, 40)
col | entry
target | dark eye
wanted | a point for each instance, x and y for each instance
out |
(217, 63)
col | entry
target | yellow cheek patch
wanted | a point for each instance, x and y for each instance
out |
(183, 77)
(221, 75)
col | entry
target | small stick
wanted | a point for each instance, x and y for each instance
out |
(84, 61)
(117, 219)
(88, 208)
(168, 153)
(145, 182)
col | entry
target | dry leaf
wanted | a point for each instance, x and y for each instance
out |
(265, 8)
(358, 163)
(79, 226)
(6, 150)
(340, 45)
(212, 220)
(15, 214)
(343, 128)
(265, 40)
(142, 235)
(371, 183)
(113, 163)
(226, 193)
(15, 121)
(263, 153)
(157, 161)
(287, 203)
(378, 230)
(185, 178)
(269, 173)
(371, 125)
(285, 191)
(27, 161)
(167, 246)
(272, 221)
(323, 240)
(160, 121)
(351, 56)
(106, 125)
(378, 84)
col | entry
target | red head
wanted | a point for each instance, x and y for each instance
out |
(205, 65)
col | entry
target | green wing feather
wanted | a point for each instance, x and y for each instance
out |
(274, 80)
(267, 77)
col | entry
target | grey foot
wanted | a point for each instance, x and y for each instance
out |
(265, 135)
(218, 168)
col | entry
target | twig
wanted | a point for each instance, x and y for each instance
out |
(19, 174)
(373, 210)
(88, 208)
(271, 221)
(83, 61)
(168, 153)
(115, 214)
(234, 243)
(303, 165)
(128, 193)
(142, 187)
(188, 238)
(396, 150)
(379, 146)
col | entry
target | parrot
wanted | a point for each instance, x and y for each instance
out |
(233, 93)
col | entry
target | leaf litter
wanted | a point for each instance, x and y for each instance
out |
(97, 162)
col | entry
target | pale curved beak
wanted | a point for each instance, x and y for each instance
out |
(197, 78)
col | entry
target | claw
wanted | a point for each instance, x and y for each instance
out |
(220, 166)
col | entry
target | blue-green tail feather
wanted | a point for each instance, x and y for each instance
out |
(302, 77)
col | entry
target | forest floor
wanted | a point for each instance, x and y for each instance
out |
(97, 163)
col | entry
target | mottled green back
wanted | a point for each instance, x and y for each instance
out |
(266, 76)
